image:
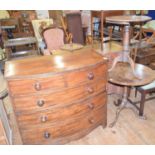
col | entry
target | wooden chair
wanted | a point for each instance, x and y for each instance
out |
(149, 28)
(137, 32)
(54, 39)
(143, 90)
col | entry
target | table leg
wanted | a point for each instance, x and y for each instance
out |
(124, 104)
(121, 58)
(125, 56)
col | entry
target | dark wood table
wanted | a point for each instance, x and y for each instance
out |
(127, 73)
(122, 75)
(126, 21)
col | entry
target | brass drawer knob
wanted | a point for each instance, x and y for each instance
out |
(40, 103)
(43, 119)
(37, 86)
(91, 121)
(47, 135)
(91, 106)
(90, 76)
(90, 90)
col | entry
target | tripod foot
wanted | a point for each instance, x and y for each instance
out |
(112, 124)
(144, 117)
(116, 117)
(118, 102)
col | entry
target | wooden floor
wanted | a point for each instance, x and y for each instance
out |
(128, 130)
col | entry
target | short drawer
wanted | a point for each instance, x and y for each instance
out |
(38, 102)
(61, 131)
(86, 75)
(55, 115)
(28, 86)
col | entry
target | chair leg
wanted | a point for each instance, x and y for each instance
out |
(128, 91)
(141, 109)
(136, 92)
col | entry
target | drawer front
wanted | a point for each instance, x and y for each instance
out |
(31, 103)
(70, 79)
(51, 134)
(28, 86)
(61, 114)
(91, 74)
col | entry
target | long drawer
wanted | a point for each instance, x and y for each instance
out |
(38, 102)
(61, 114)
(66, 79)
(51, 134)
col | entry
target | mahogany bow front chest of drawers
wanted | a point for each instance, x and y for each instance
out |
(57, 99)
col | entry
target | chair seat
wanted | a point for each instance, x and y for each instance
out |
(148, 87)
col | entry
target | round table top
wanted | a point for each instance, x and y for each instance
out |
(122, 75)
(126, 19)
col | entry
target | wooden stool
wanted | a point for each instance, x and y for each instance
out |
(144, 90)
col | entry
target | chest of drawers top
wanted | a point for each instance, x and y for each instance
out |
(51, 65)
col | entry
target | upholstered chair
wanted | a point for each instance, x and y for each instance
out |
(54, 39)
